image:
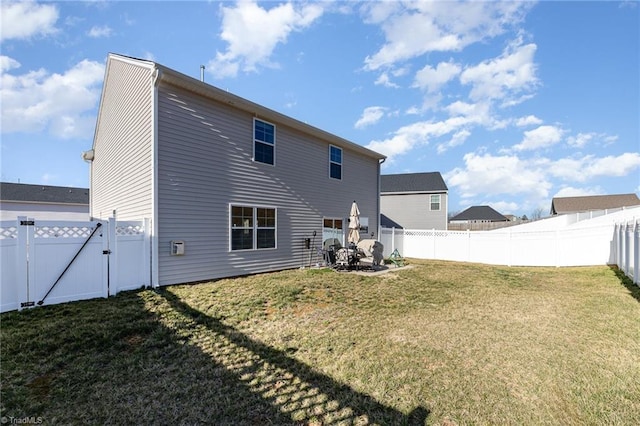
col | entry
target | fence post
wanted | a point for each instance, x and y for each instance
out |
(636, 253)
(433, 235)
(393, 239)
(113, 257)
(614, 244)
(509, 250)
(627, 248)
(620, 247)
(22, 257)
(147, 253)
(557, 243)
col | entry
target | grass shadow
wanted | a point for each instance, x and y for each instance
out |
(294, 388)
(114, 362)
(634, 290)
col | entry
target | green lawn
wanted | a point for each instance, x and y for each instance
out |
(438, 343)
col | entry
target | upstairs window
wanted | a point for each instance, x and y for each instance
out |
(335, 162)
(435, 202)
(264, 141)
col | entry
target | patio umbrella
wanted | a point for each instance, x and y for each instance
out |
(354, 224)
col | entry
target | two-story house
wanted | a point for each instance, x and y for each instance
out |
(231, 187)
(414, 200)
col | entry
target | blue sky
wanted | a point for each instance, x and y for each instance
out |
(514, 103)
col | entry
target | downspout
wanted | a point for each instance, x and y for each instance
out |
(153, 264)
(382, 160)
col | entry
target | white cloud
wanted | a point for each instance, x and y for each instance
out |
(463, 116)
(540, 137)
(487, 176)
(384, 80)
(370, 115)
(529, 120)
(503, 207)
(419, 133)
(505, 77)
(588, 167)
(569, 191)
(100, 31)
(429, 102)
(490, 175)
(432, 79)
(414, 28)
(457, 139)
(478, 113)
(60, 103)
(580, 140)
(251, 41)
(7, 63)
(26, 19)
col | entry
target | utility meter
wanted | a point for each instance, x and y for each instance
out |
(177, 248)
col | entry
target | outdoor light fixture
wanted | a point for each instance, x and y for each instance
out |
(88, 155)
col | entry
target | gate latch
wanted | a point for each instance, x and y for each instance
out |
(106, 251)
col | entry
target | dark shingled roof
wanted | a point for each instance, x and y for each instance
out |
(564, 205)
(413, 182)
(386, 222)
(480, 213)
(21, 192)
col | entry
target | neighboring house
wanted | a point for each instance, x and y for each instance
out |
(478, 214)
(385, 222)
(43, 202)
(414, 200)
(566, 205)
(241, 186)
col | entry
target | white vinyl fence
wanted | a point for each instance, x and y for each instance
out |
(600, 244)
(49, 262)
(627, 249)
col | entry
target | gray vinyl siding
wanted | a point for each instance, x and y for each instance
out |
(205, 164)
(122, 170)
(411, 211)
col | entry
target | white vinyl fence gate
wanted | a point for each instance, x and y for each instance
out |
(50, 262)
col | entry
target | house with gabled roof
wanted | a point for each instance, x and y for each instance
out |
(567, 205)
(479, 214)
(43, 202)
(414, 200)
(230, 187)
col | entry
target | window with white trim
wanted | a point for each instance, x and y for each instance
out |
(252, 228)
(264, 142)
(332, 228)
(434, 202)
(335, 162)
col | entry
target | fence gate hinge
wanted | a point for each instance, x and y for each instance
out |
(27, 223)
(106, 251)
(27, 304)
